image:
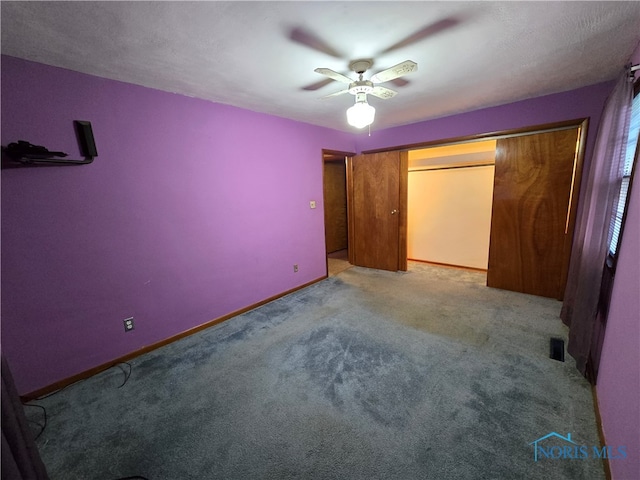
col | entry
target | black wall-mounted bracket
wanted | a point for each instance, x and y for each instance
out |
(25, 154)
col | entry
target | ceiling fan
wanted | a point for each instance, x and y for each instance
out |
(309, 39)
(361, 87)
(362, 114)
(368, 86)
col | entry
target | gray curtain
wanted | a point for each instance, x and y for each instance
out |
(20, 457)
(590, 245)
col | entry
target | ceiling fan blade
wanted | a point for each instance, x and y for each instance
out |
(400, 82)
(424, 32)
(317, 85)
(383, 92)
(394, 72)
(334, 75)
(308, 39)
(341, 92)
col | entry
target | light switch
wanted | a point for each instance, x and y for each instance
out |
(312, 204)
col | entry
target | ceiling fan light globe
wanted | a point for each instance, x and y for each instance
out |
(360, 115)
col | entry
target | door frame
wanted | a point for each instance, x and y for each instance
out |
(329, 155)
(583, 123)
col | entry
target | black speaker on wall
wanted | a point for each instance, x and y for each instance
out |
(86, 141)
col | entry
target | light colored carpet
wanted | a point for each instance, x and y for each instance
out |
(426, 374)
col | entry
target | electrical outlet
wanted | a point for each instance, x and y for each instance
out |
(312, 204)
(128, 324)
(295, 268)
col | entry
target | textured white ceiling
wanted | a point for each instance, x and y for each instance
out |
(261, 55)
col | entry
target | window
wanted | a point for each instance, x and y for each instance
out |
(615, 228)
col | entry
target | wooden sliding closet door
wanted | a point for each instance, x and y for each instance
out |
(377, 198)
(533, 208)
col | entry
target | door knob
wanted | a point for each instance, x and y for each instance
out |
(393, 212)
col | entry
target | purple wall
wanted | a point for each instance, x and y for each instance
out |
(619, 376)
(191, 211)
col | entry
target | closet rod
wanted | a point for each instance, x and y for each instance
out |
(451, 168)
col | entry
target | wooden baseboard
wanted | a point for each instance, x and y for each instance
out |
(603, 442)
(105, 366)
(448, 265)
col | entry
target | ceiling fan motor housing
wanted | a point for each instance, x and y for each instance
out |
(360, 66)
(360, 86)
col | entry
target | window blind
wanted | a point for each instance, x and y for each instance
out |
(632, 143)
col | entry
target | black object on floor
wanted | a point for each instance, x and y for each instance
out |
(557, 349)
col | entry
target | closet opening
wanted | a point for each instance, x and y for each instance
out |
(450, 196)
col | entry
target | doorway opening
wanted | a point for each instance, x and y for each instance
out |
(450, 195)
(336, 218)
